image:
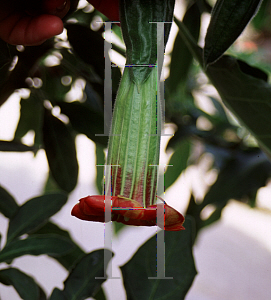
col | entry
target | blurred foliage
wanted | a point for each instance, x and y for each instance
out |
(51, 72)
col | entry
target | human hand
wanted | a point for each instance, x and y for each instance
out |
(31, 22)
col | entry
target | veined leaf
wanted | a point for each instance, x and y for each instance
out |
(82, 281)
(34, 213)
(179, 264)
(242, 90)
(36, 245)
(25, 285)
(229, 18)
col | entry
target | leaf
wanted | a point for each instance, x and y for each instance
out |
(60, 150)
(8, 205)
(13, 146)
(85, 121)
(31, 117)
(25, 285)
(53, 245)
(179, 264)
(57, 294)
(34, 213)
(82, 282)
(100, 295)
(181, 57)
(248, 97)
(88, 45)
(229, 18)
(251, 170)
(66, 260)
(26, 61)
(178, 162)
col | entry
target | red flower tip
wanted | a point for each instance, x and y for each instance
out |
(126, 211)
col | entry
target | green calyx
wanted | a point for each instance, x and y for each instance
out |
(134, 143)
(139, 28)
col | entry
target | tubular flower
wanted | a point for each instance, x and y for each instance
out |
(134, 142)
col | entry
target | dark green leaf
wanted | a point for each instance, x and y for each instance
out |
(34, 213)
(248, 97)
(177, 163)
(67, 260)
(31, 117)
(181, 57)
(81, 282)
(13, 146)
(229, 18)
(100, 295)
(54, 245)
(57, 295)
(60, 150)
(141, 37)
(25, 285)
(26, 61)
(85, 121)
(179, 264)
(88, 45)
(8, 205)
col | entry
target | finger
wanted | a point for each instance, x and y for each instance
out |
(29, 31)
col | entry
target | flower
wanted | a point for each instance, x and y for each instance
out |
(126, 211)
(134, 143)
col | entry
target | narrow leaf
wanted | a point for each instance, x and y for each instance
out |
(60, 150)
(25, 285)
(179, 264)
(100, 161)
(8, 205)
(14, 146)
(36, 245)
(34, 213)
(82, 281)
(229, 18)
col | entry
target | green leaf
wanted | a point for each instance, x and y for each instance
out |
(179, 264)
(66, 260)
(57, 294)
(229, 18)
(13, 146)
(27, 60)
(141, 37)
(100, 295)
(31, 117)
(34, 213)
(53, 245)
(60, 150)
(88, 45)
(246, 95)
(25, 285)
(181, 58)
(81, 282)
(85, 121)
(8, 205)
(177, 163)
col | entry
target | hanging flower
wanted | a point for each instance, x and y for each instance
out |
(134, 142)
